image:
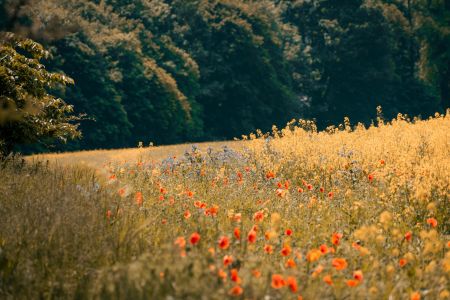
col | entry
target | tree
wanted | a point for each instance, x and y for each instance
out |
(28, 112)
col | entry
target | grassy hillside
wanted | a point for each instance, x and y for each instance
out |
(343, 214)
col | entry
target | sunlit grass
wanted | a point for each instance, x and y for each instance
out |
(350, 213)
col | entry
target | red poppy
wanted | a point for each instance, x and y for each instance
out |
(323, 248)
(339, 263)
(236, 291)
(227, 260)
(286, 250)
(251, 236)
(328, 280)
(195, 238)
(288, 232)
(268, 249)
(292, 284)
(432, 222)
(138, 198)
(402, 262)
(235, 276)
(224, 242)
(187, 214)
(408, 236)
(237, 233)
(258, 216)
(358, 275)
(277, 281)
(335, 238)
(352, 282)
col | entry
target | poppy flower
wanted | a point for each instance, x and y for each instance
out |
(270, 175)
(402, 262)
(138, 198)
(358, 275)
(236, 291)
(277, 281)
(237, 233)
(300, 190)
(258, 216)
(288, 232)
(222, 274)
(227, 260)
(108, 214)
(121, 192)
(286, 250)
(309, 187)
(352, 282)
(235, 276)
(336, 238)
(195, 238)
(323, 249)
(313, 255)
(292, 284)
(330, 195)
(328, 280)
(268, 249)
(370, 177)
(251, 236)
(408, 236)
(187, 214)
(322, 189)
(415, 296)
(180, 241)
(339, 263)
(224, 242)
(317, 271)
(432, 222)
(290, 263)
(256, 273)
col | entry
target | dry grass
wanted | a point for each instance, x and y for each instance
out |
(354, 213)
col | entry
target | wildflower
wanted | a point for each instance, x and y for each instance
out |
(313, 255)
(138, 198)
(356, 245)
(224, 242)
(121, 192)
(339, 263)
(432, 222)
(402, 262)
(370, 177)
(251, 236)
(300, 190)
(322, 189)
(408, 236)
(317, 271)
(222, 274)
(256, 273)
(328, 280)
(352, 282)
(323, 249)
(227, 260)
(164, 221)
(187, 214)
(277, 281)
(180, 241)
(288, 232)
(330, 195)
(258, 216)
(195, 238)
(237, 233)
(358, 275)
(290, 263)
(292, 284)
(335, 238)
(286, 250)
(211, 251)
(108, 214)
(270, 175)
(235, 276)
(415, 296)
(309, 187)
(268, 249)
(236, 291)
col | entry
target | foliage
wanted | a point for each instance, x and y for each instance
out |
(347, 213)
(28, 113)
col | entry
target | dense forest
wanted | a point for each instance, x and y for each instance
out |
(169, 71)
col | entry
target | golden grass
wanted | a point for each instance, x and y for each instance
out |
(351, 213)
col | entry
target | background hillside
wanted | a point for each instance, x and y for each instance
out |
(171, 71)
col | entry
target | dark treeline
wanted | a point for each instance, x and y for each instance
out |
(169, 71)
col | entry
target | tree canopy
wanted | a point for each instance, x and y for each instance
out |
(169, 71)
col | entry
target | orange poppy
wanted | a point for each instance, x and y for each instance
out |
(180, 241)
(277, 281)
(292, 284)
(352, 282)
(358, 275)
(195, 238)
(408, 236)
(432, 222)
(290, 263)
(235, 276)
(286, 250)
(224, 242)
(187, 214)
(139, 199)
(227, 260)
(251, 236)
(339, 263)
(336, 238)
(236, 291)
(402, 262)
(415, 296)
(270, 175)
(328, 280)
(237, 233)
(313, 255)
(268, 249)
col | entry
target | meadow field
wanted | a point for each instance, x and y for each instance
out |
(346, 213)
